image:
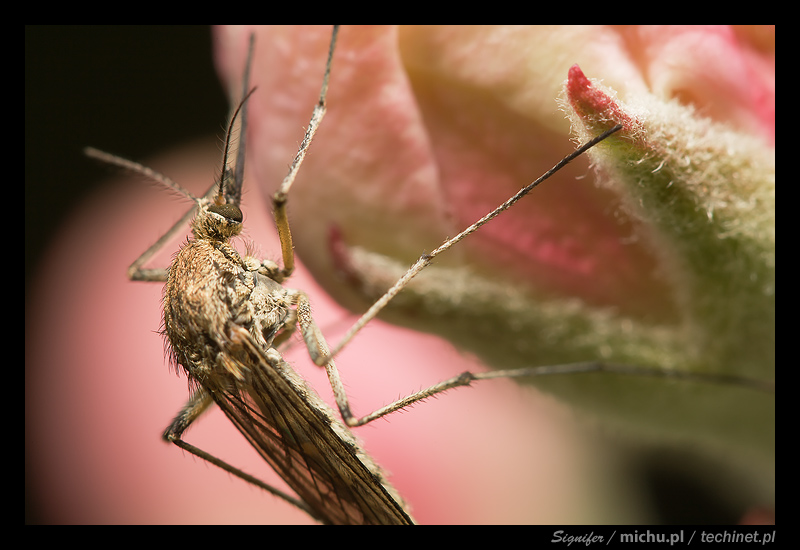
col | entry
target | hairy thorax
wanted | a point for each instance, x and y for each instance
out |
(211, 295)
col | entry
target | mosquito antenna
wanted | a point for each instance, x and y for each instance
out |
(137, 168)
(234, 194)
(232, 190)
(239, 175)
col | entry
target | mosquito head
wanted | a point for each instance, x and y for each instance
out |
(220, 218)
(217, 222)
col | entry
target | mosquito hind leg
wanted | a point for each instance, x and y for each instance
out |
(198, 403)
(587, 367)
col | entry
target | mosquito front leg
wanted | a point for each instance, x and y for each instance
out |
(137, 273)
(282, 194)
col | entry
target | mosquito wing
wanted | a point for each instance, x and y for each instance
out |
(299, 435)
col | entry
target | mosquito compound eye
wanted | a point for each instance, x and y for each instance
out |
(228, 211)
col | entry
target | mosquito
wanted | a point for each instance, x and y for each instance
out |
(226, 314)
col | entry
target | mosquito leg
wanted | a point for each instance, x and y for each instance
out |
(426, 259)
(466, 378)
(197, 404)
(317, 349)
(282, 194)
(135, 271)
